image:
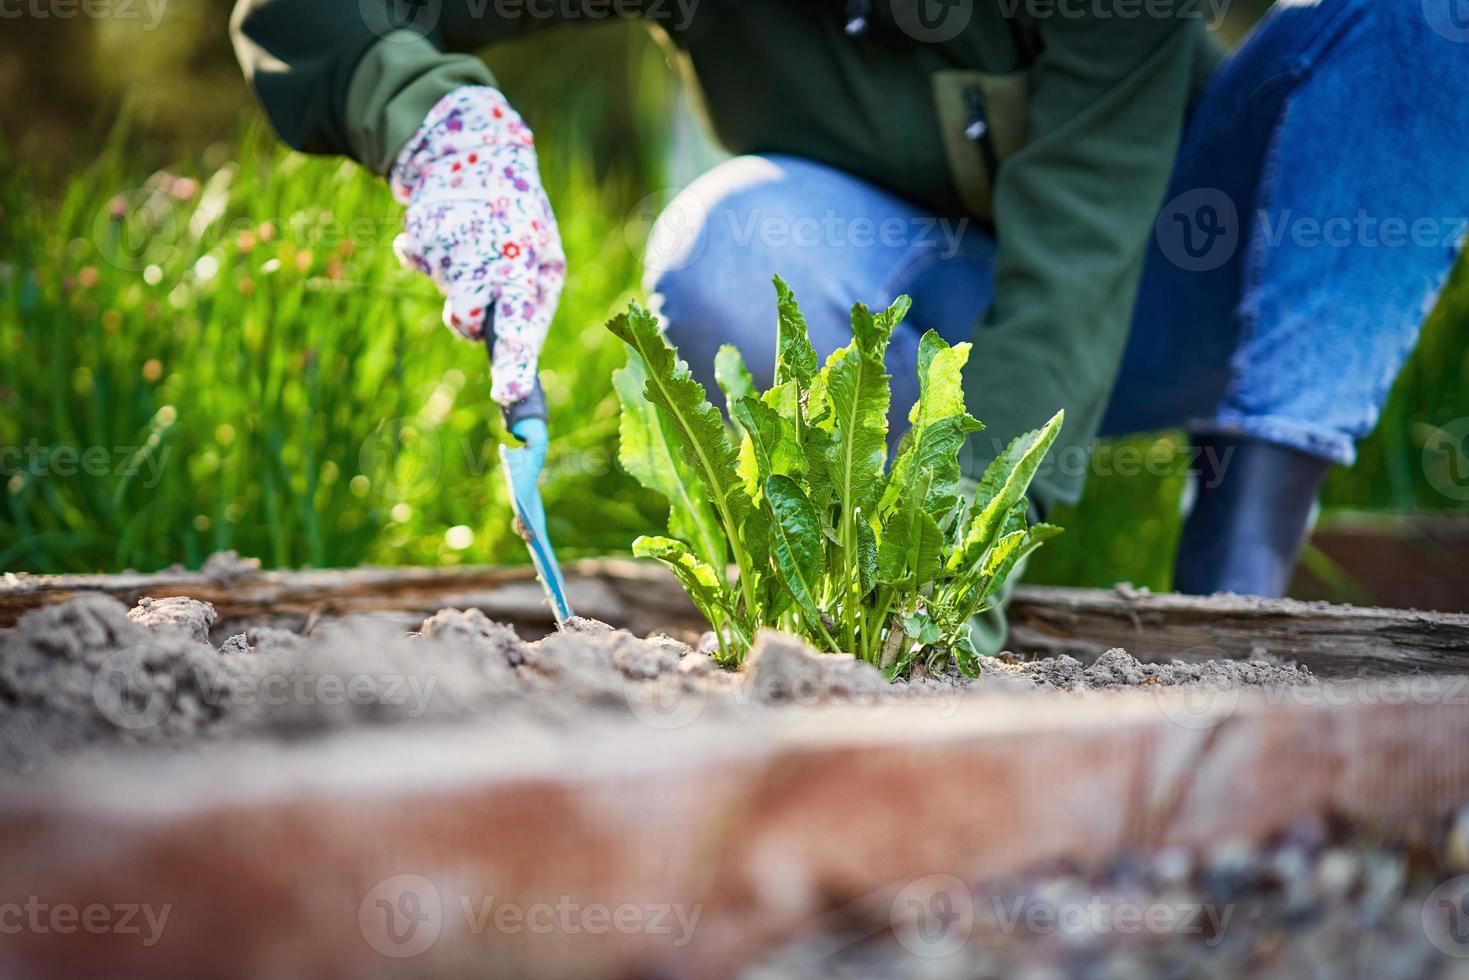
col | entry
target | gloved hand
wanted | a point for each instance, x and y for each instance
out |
(480, 226)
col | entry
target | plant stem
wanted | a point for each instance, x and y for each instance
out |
(819, 626)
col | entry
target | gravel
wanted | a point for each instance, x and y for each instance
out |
(1321, 900)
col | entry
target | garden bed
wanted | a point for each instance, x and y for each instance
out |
(274, 789)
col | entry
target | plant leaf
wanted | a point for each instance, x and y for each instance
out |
(965, 656)
(733, 379)
(998, 570)
(696, 426)
(795, 358)
(858, 388)
(699, 579)
(772, 444)
(940, 381)
(817, 451)
(872, 333)
(911, 551)
(754, 531)
(1003, 485)
(796, 542)
(939, 427)
(646, 451)
(921, 628)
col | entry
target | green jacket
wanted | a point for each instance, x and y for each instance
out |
(1083, 107)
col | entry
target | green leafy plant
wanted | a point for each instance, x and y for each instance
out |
(787, 515)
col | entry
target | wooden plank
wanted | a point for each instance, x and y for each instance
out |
(630, 594)
(1334, 641)
(294, 864)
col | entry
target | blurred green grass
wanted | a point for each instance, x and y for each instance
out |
(251, 369)
(236, 348)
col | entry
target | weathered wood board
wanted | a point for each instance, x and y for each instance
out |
(372, 854)
(1334, 641)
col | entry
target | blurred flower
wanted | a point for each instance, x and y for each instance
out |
(152, 369)
(183, 188)
(87, 277)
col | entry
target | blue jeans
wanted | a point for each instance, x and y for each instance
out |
(1317, 206)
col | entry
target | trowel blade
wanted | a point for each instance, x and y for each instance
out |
(530, 524)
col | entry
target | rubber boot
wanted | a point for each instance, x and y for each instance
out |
(1250, 516)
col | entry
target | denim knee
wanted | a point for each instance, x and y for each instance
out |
(708, 275)
(691, 292)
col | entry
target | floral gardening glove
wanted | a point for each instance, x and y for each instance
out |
(480, 226)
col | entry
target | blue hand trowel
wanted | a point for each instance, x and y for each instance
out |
(521, 473)
(522, 468)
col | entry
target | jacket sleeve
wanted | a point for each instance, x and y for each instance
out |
(1073, 211)
(352, 77)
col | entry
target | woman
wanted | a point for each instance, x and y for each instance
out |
(1002, 161)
